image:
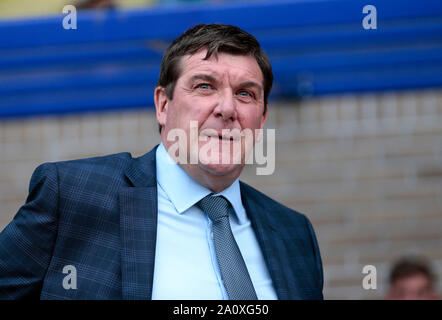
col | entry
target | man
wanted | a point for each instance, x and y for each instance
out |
(412, 279)
(151, 228)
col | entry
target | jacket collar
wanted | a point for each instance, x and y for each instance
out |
(138, 228)
(142, 172)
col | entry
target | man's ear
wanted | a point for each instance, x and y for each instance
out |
(161, 104)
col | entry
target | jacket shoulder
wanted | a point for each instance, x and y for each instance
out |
(102, 170)
(97, 164)
(112, 160)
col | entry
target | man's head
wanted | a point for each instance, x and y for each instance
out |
(214, 38)
(218, 76)
(411, 279)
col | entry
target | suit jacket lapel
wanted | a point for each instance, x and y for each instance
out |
(276, 251)
(138, 227)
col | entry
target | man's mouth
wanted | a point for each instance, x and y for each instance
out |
(224, 138)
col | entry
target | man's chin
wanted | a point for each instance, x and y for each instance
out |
(220, 169)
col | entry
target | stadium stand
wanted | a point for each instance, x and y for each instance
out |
(316, 47)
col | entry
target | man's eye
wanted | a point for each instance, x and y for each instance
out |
(244, 93)
(204, 86)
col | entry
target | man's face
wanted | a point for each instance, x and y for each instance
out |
(224, 92)
(415, 287)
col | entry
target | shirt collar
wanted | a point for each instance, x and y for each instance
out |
(184, 192)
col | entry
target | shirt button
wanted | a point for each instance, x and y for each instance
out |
(211, 234)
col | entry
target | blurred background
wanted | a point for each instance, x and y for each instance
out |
(357, 113)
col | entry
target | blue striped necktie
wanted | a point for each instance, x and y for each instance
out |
(233, 269)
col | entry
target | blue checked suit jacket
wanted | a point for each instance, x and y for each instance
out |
(100, 215)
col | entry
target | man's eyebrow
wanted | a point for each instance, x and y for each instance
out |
(203, 76)
(248, 84)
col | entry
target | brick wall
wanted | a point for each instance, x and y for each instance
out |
(366, 169)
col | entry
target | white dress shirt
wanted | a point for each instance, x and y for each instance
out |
(185, 260)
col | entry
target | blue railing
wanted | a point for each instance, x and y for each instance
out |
(316, 47)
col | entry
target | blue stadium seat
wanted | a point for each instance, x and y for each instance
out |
(316, 47)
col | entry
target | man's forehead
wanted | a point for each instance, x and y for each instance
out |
(243, 66)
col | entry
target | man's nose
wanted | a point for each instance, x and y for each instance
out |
(226, 107)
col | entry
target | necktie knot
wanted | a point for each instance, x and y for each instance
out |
(215, 207)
